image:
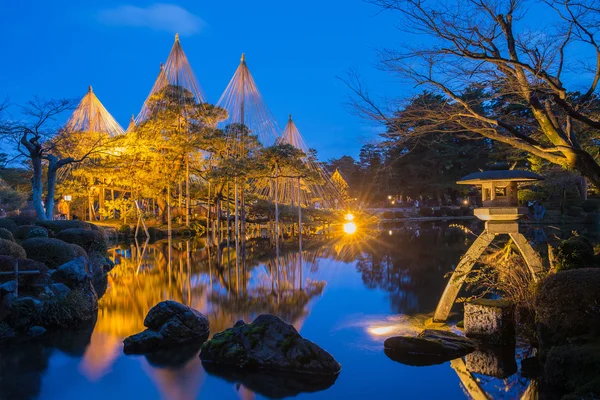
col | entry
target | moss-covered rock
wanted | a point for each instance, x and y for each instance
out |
(567, 305)
(10, 248)
(52, 252)
(575, 252)
(90, 240)
(6, 235)
(60, 225)
(8, 224)
(24, 232)
(267, 343)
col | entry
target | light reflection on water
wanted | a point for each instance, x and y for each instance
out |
(347, 295)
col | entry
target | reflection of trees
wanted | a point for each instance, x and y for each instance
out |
(411, 263)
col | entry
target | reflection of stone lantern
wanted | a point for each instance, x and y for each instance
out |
(501, 212)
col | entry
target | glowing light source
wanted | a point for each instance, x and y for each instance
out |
(349, 217)
(390, 197)
(465, 201)
(381, 330)
(349, 228)
(390, 233)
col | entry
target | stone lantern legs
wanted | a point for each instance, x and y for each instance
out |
(492, 229)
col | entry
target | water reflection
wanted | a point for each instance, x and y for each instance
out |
(347, 294)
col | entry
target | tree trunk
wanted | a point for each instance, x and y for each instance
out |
(37, 188)
(585, 164)
(52, 168)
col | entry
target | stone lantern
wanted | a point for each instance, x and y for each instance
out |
(501, 212)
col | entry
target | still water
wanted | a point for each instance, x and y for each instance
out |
(346, 294)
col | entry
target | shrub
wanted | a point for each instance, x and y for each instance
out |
(591, 205)
(593, 218)
(7, 265)
(52, 252)
(8, 224)
(446, 211)
(79, 251)
(574, 211)
(575, 369)
(6, 235)
(10, 248)
(89, 240)
(466, 211)
(30, 231)
(21, 220)
(399, 214)
(575, 252)
(426, 211)
(125, 230)
(56, 226)
(568, 305)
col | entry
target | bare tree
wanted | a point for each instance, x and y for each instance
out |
(36, 137)
(485, 45)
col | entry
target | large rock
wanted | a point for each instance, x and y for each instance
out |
(267, 343)
(567, 306)
(430, 347)
(169, 323)
(75, 273)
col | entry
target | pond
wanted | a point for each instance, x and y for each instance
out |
(346, 294)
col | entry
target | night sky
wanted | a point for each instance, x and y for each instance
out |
(295, 51)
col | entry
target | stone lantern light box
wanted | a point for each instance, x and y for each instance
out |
(499, 193)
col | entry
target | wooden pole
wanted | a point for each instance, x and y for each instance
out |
(188, 207)
(300, 231)
(169, 215)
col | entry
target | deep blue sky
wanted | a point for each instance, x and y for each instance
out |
(295, 50)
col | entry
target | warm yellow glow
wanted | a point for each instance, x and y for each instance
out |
(381, 330)
(349, 227)
(390, 233)
(349, 217)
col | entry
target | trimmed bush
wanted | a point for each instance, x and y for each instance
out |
(566, 305)
(446, 211)
(575, 252)
(79, 251)
(30, 231)
(6, 235)
(7, 265)
(52, 252)
(466, 211)
(10, 248)
(89, 240)
(574, 211)
(8, 224)
(60, 225)
(21, 220)
(591, 205)
(426, 211)
(125, 230)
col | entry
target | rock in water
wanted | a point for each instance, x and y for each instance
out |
(74, 273)
(169, 323)
(267, 343)
(430, 347)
